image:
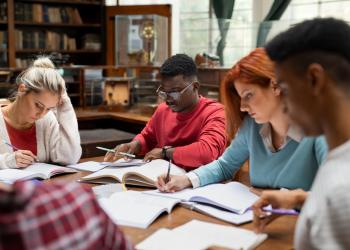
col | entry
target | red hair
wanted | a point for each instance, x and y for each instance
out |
(255, 68)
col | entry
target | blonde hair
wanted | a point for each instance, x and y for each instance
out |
(42, 75)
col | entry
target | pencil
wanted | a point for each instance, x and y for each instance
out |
(167, 178)
(120, 153)
(15, 148)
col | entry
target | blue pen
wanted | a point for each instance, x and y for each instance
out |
(15, 148)
(10, 145)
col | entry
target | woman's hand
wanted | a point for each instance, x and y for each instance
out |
(24, 158)
(277, 199)
(176, 183)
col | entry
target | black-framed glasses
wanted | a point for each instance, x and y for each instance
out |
(173, 94)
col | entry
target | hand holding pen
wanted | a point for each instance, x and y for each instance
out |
(24, 158)
(111, 152)
(282, 202)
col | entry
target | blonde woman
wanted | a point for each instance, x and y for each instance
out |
(40, 123)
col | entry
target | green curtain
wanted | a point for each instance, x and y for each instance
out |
(223, 10)
(277, 9)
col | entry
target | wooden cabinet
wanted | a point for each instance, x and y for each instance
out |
(210, 80)
(72, 31)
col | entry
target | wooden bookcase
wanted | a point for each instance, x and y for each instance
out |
(73, 29)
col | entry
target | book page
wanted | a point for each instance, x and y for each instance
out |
(91, 166)
(232, 196)
(126, 163)
(135, 209)
(147, 172)
(219, 235)
(227, 216)
(165, 239)
(199, 235)
(48, 170)
(11, 175)
(155, 168)
(105, 191)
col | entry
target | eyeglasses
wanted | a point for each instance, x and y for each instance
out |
(173, 94)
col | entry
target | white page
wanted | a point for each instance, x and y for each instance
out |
(230, 217)
(91, 166)
(152, 170)
(219, 235)
(105, 191)
(126, 163)
(48, 169)
(135, 209)
(11, 175)
(165, 239)
(233, 196)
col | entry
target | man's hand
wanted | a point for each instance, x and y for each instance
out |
(277, 199)
(155, 153)
(176, 183)
(133, 147)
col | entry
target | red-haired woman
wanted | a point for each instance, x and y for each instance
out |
(278, 155)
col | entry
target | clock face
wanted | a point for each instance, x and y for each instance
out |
(148, 31)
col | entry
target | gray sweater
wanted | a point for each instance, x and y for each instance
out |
(57, 137)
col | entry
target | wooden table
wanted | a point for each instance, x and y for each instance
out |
(280, 231)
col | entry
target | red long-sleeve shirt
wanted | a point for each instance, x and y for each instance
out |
(198, 136)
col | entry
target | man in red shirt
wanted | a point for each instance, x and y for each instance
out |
(187, 128)
(55, 216)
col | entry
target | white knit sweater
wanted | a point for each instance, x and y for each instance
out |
(57, 137)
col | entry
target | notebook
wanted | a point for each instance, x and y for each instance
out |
(198, 235)
(34, 171)
(93, 166)
(233, 196)
(135, 209)
(145, 175)
(220, 214)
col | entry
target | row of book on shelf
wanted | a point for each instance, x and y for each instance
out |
(3, 11)
(229, 202)
(28, 39)
(42, 13)
(44, 40)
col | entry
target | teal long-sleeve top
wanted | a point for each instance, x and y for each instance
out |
(294, 166)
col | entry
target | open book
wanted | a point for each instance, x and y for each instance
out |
(198, 235)
(34, 171)
(233, 196)
(220, 214)
(136, 209)
(93, 166)
(145, 175)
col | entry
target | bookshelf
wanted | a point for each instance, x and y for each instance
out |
(70, 31)
(74, 30)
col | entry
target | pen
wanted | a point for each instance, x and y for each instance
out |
(10, 145)
(168, 174)
(281, 211)
(113, 151)
(15, 148)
